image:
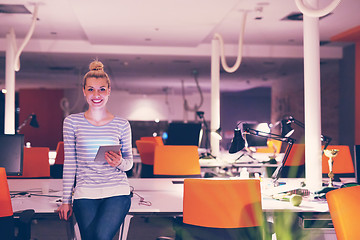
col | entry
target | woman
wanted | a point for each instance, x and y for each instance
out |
(100, 190)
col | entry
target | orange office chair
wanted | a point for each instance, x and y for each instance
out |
(35, 163)
(56, 170)
(158, 140)
(344, 209)
(8, 223)
(221, 209)
(146, 151)
(343, 164)
(176, 161)
(295, 164)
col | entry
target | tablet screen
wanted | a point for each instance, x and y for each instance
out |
(100, 155)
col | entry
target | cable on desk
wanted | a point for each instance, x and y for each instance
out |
(12, 195)
(43, 195)
(142, 200)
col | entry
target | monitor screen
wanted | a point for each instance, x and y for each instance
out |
(253, 140)
(180, 133)
(11, 150)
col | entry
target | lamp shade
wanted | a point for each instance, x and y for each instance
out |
(217, 133)
(34, 123)
(238, 142)
(5, 200)
(286, 129)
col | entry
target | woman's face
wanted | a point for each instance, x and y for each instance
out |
(96, 92)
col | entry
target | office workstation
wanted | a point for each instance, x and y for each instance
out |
(164, 76)
(163, 197)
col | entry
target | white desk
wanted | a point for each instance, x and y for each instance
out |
(165, 196)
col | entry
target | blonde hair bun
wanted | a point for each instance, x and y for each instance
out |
(96, 66)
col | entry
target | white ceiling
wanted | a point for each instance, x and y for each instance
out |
(151, 45)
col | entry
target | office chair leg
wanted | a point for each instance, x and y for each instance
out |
(7, 228)
(23, 223)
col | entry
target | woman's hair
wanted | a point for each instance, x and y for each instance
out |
(96, 70)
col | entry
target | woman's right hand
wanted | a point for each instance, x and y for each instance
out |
(65, 211)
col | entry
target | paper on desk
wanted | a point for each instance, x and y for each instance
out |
(267, 188)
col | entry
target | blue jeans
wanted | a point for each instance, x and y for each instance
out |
(101, 218)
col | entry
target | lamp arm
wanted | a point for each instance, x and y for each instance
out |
(277, 172)
(268, 135)
(324, 138)
(240, 47)
(297, 122)
(290, 141)
(24, 123)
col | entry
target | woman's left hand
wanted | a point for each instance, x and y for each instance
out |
(113, 158)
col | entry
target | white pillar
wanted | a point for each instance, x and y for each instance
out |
(215, 96)
(9, 127)
(312, 97)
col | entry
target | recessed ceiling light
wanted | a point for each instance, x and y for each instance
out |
(13, 8)
(298, 16)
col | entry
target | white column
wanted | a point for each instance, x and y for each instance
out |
(9, 127)
(312, 91)
(215, 96)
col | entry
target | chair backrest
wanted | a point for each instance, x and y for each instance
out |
(343, 162)
(273, 146)
(344, 208)
(296, 156)
(5, 200)
(222, 203)
(174, 160)
(158, 140)
(35, 163)
(59, 158)
(146, 151)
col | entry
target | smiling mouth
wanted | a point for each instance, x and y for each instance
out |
(96, 100)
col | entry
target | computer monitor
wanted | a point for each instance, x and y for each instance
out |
(11, 153)
(253, 140)
(180, 133)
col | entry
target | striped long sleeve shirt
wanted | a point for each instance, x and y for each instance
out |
(94, 179)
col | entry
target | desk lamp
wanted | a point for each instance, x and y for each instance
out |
(238, 143)
(287, 130)
(207, 155)
(33, 122)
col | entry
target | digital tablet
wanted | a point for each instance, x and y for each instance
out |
(100, 155)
